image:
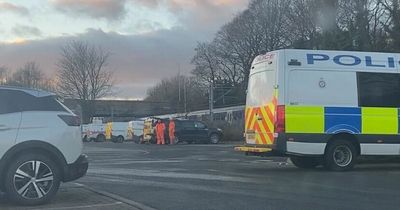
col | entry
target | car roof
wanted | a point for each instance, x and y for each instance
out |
(33, 92)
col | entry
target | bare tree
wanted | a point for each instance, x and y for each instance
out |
(3, 75)
(29, 76)
(82, 73)
(206, 63)
(193, 95)
(393, 27)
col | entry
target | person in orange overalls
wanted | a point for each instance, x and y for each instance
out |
(160, 128)
(171, 131)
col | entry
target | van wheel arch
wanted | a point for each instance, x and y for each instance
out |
(345, 136)
(37, 147)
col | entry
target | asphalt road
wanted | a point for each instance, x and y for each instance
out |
(215, 177)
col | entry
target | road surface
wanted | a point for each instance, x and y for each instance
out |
(215, 177)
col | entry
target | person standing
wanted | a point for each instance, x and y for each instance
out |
(171, 131)
(160, 129)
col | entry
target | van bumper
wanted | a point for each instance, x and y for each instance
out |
(77, 169)
(276, 149)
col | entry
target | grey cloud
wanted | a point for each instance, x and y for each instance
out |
(8, 7)
(147, 3)
(138, 61)
(107, 9)
(26, 31)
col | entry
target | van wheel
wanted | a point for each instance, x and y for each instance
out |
(340, 155)
(120, 139)
(32, 179)
(304, 162)
(101, 138)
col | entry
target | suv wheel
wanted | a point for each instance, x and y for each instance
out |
(214, 138)
(340, 155)
(32, 179)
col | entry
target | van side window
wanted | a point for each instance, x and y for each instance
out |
(378, 89)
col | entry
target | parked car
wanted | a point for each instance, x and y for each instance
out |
(40, 145)
(192, 131)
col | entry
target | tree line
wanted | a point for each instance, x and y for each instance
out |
(266, 25)
(81, 74)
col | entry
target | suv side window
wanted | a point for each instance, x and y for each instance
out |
(188, 125)
(3, 102)
(18, 101)
(44, 104)
(199, 125)
(10, 101)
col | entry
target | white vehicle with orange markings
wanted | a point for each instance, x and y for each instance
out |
(323, 107)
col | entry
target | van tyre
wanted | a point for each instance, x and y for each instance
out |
(101, 138)
(305, 162)
(340, 155)
(32, 179)
(120, 139)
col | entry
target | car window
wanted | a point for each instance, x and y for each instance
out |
(18, 101)
(12, 102)
(188, 124)
(199, 125)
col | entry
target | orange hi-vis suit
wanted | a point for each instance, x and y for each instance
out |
(171, 132)
(160, 128)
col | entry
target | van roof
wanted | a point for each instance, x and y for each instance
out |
(34, 92)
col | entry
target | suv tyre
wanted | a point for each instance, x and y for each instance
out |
(32, 179)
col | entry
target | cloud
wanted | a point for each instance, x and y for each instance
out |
(107, 9)
(26, 31)
(206, 15)
(8, 7)
(138, 61)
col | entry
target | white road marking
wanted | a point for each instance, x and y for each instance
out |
(125, 162)
(82, 207)
(164, 174)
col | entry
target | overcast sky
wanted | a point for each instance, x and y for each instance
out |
(148, 39)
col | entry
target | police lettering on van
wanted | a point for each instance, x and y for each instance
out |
(349, 60)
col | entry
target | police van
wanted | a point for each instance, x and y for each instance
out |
(323, 107)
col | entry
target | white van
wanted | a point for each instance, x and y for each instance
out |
(40, 145)
(135, 129)
(323, 107)
(117, 132)
(95, 131)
